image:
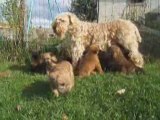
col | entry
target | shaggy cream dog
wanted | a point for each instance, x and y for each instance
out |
(79, 34)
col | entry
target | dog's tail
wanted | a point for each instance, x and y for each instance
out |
(139, 39)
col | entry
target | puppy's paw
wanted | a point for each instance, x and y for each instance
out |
(55, 92)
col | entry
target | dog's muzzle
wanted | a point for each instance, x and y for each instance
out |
(54, 28)
(58, 30)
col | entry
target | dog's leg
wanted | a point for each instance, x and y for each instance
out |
(53, 89)
(76, 53)
(130, 43)
(56, 93)
(93, 72)
(99, 69)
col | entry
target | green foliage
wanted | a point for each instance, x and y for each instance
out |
(9, 51)
(11, 11)
(150, 46)
(152, 20)
(85, 9)
(93, 98)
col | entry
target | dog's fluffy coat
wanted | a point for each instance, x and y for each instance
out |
(61, 77)
(39, 61)
(82, 34)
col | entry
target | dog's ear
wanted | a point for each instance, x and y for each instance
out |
(72, 19)
(53, 57)
(54, 27)
(51, 54)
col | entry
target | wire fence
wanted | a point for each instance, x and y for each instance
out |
(145, 13)
(136, 10)
(39, 14)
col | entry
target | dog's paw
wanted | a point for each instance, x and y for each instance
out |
(55, 92)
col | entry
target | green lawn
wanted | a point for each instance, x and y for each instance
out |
(93, 98)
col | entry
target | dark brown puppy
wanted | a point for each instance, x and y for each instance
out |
(89, 63)
(115, 60)
(39, 61)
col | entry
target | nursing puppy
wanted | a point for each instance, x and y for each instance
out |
(61, 77)
(89, 63)
(116, 60)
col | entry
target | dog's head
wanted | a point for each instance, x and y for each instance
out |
(63, 23)
(137, 59)
(115, 52)
(36, 59)
(94, 48)
(49, 58)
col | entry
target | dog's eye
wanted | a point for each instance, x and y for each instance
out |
(62, 20)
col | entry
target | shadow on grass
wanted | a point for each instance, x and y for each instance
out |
(37, 89)
(26, 69)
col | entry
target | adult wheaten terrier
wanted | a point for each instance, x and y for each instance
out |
(79, 34)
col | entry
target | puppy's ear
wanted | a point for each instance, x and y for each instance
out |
(51, 54)
(53, 57)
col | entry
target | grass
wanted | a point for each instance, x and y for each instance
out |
(93, 98)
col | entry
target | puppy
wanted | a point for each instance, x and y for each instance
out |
(89, 63)
(50, 60)
(116, 60)
(40, 61)
(61, 77)
(37, 63)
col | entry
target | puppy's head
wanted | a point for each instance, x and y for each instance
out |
(63, 22)
(115, 51)
(94, 48)
(36, 59)
(35, 55)
(49, 58)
